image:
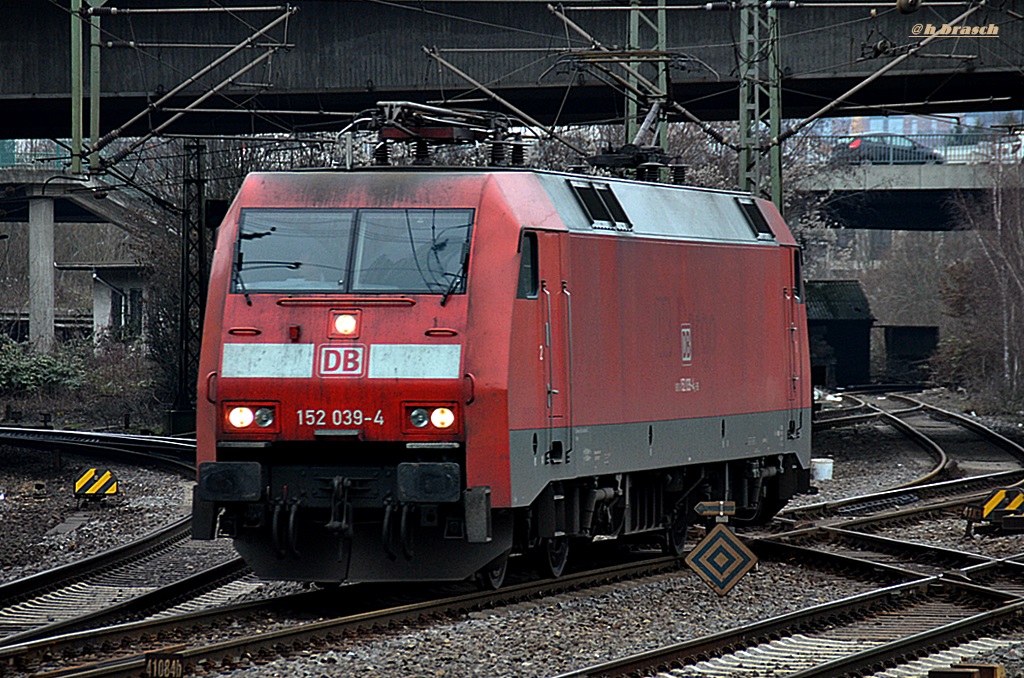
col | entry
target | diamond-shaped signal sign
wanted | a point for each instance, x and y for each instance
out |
(721, 559)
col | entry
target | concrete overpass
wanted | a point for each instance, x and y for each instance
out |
(345, 55)
(42, 200)
(906, 182)
(902, 197)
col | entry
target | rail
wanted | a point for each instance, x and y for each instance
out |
(279, 640)
(829, 615)
(178, 453)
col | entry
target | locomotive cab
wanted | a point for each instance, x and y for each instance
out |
(339, 400)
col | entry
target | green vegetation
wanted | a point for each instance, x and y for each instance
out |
(81, 385)
(24, 372)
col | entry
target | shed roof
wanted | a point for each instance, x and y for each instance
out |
(837, 300)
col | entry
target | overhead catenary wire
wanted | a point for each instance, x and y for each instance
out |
(281, 124)
(767, 4)
(793, 129)
(504, 102)
(113, 134)
(134, 44)
(652, 88)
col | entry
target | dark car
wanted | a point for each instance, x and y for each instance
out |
(883, 149)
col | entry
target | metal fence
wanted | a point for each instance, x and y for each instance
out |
(33, 154)
(902, 149)
(869, 147)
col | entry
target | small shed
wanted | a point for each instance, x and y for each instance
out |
(908, 349)
(839, 323)
(117, 298)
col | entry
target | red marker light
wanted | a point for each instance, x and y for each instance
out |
(855, 143)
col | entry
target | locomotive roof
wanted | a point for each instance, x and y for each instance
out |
(658, 210)
(593, 204)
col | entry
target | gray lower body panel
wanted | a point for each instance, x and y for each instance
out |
(645, 446)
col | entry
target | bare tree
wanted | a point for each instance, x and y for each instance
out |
(984, 293)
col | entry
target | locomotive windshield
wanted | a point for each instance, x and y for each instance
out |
(411, 251)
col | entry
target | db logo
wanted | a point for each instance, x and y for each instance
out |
(687, 335)
(341, 361)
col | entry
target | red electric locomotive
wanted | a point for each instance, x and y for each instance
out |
(410, 374)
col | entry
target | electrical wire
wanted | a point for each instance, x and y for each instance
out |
(163, 63)
(456, 17)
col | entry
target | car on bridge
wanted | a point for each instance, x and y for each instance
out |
(881, 148)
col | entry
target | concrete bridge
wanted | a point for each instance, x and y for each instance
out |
(925, 196)
(341, 56)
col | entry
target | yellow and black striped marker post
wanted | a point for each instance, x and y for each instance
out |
(1005, 501)
(95, 483)
(1002, 510)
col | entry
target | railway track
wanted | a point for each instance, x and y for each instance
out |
(155, 572)
(928, 615)
(295, 634)
(951, 597)
(177, 453)
(924, 615)
(300, 637)
(151, 573)
(985, 459)
(841, 638)
(973, 448)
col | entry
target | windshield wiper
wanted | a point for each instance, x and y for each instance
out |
(256, 234)
(236, 277)
(459, 276)
(256, 265)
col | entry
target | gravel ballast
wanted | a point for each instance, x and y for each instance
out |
(570, 630)
(43, 525)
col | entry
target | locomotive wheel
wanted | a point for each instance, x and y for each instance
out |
(675, 534)
(554, 554)
(492, 575)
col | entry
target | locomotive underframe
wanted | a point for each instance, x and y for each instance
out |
(410, 516)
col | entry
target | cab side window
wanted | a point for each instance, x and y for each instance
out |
(528, 278)
(798, 276)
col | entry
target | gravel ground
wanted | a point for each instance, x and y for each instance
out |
(570, 631)
(1011, 656)
(867, 457)
(949, 533)
(43, 527)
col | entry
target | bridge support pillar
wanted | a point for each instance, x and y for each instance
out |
(40, 272)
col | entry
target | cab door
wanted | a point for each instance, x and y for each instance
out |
(793, 300)
(555, 298)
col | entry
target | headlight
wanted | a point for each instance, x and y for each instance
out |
(442, 417)
(419, 417)
(264, 417)
(346, 324)
(241, 417)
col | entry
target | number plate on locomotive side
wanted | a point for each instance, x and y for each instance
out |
(340, 417)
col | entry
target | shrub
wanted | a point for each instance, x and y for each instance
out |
(24, 372)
